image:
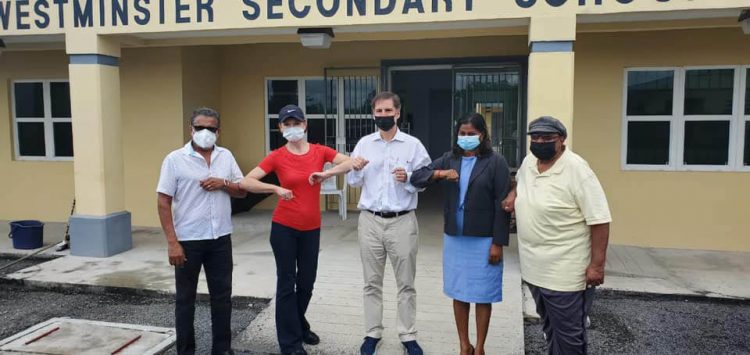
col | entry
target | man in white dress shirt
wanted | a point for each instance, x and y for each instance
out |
(195, 210)
(383, 162)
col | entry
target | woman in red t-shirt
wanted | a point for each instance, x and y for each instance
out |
(295, 228)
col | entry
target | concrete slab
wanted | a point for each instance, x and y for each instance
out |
(675, 271)
(77, 336)
(146, 266)
(336, 313)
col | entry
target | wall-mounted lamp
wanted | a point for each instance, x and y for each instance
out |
(745, 21)
(318, 38)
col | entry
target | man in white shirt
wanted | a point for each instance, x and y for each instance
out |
(383, 162)
(195, 210)
(563, 231)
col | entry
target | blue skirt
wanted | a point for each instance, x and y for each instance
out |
(468, 275)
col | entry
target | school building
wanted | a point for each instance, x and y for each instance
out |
(655, 94)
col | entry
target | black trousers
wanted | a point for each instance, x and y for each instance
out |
(215, 256)
(564, 318)
(296, 254)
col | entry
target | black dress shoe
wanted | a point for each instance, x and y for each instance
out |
(311, 338)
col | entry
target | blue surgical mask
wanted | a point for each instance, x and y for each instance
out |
(468, 143)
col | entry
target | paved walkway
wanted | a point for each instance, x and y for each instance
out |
(336, 309)
(675, 271)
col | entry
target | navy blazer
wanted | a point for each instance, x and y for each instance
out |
(488, 186)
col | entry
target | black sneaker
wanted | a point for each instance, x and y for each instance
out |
(412, 348)
(311, 338)
(369, 346)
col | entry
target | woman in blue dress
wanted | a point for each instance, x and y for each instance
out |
(476, 180)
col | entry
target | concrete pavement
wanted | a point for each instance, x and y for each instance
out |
(676, 271)
(336, 310)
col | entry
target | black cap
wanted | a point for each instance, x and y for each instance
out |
(547, 124)
(291, 111)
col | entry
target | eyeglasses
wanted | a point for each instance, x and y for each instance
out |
(546, 138)
(200, 128)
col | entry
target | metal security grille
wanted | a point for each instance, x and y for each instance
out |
(356, 87)
(494, 93)
(353, 116)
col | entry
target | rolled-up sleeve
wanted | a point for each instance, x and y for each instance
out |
(356, 178)
(421, 159)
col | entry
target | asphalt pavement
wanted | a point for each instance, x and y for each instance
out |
(638, 323)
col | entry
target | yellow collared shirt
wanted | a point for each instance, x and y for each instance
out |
(554, 210)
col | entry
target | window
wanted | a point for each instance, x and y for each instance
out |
(41, 120)
(686, 119)
(310, 95)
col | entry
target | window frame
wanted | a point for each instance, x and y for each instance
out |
(301, 102)
(47, 120)
(743, 118)
(678, 120)
(650, 118)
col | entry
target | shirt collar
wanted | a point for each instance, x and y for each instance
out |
(188, 150)
(400, 136)
(556, 169)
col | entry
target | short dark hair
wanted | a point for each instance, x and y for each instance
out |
(478, 122)
(386, 95)
(205, 111)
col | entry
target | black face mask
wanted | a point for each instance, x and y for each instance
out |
(385, 122)
(543, 151)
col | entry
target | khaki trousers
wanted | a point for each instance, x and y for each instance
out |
(397, 239)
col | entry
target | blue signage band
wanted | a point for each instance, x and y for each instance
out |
(94, 59)
(553, 46)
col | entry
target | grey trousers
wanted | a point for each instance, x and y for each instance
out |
(563, 318)
(397, 239)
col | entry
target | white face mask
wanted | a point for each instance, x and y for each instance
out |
(294, 134)
(204, 138)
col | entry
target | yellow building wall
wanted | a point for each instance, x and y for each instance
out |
(201, 77)
(244, 69)
(152, 117)
(695, 210)
(31, 189)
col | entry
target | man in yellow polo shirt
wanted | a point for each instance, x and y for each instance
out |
(563, 230)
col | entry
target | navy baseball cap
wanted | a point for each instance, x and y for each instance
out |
(547, 124)
(291, 111)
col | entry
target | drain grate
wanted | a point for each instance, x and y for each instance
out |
(62, 336)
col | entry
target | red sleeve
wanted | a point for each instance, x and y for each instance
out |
(329, 153)
(268, 163)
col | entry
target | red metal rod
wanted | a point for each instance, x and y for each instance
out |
(42, 336)
(126, 345)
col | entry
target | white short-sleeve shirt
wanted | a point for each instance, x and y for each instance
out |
(198, 214)
(554, 210)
